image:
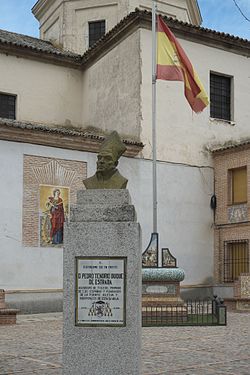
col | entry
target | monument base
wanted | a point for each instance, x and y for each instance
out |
(161, 301)
(102, 286)
(161, 286)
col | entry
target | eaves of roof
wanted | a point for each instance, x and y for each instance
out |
(43, 50)
(55, 136)
(24, 45)
(231, 146)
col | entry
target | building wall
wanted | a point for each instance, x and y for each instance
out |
(115, 93)
(223, 162)
(179, 9)
(77, 16)
(184, 136)
(46, 93)
(239, 232)
(232, 221)
(66, 23)
(51, 20)
(184, 219)
(111, 90)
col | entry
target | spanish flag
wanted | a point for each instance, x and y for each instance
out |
(174, 65)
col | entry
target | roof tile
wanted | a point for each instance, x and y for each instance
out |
(20, 40)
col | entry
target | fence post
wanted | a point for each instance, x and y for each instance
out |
(220, 311)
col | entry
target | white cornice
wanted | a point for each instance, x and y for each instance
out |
(41, 7)
(194, 10)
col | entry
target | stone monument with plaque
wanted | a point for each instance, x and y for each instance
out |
(102, 278)
(161, 285)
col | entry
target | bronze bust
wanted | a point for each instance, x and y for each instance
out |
(107, 175)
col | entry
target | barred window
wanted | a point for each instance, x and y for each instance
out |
(96, 31)
(8, 106)
(220, 97)
(236, 259)
(238, 185)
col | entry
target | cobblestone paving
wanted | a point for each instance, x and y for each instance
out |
(34, 346)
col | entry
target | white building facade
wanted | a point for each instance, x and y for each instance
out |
(62, 101)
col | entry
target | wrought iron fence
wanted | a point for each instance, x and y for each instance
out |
(190, 313)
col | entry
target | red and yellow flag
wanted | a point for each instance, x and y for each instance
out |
(174, 65)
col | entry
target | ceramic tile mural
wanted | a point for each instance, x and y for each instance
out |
(54, 211)
(49, 188)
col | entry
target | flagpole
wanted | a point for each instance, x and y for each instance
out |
(154, 169)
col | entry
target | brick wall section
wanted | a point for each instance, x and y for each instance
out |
(223, 162)
(7, 319)
(224, 230)
(38, 171)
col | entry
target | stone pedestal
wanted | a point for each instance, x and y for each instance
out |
(161, 286)
(7, 316)
(242, 292)
(103, 227)
(161, 294)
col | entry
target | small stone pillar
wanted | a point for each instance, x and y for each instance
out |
(7, 316)
(242, 292)
(102, 286)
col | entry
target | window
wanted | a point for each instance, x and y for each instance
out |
(96, 31)
(238, 185)
(220, 97)
(7, 106)
(236, 259)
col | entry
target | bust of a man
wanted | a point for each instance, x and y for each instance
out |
(107, 175)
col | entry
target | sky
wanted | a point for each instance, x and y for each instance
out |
(220, 15)
(223, 15)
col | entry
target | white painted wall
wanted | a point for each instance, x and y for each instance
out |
(53, 31)
(46, 93)
(183, 136)
(185, 218)
(111, 90)
(78, 14)
(24, 267)
(51, 21)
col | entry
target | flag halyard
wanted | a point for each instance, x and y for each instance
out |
(174, 65)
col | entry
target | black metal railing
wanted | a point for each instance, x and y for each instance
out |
(190, 313)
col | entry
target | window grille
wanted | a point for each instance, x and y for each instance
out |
(220, 97)
(236, 259)
(8, 106)
(96, 31)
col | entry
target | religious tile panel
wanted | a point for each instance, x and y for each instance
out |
(168, 260)
(237, 214)
(49, 188)
(54, 211)
(150, 255)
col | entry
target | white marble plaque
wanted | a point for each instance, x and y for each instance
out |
(100, 291)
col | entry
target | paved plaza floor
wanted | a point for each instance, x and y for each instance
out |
(34, 346)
